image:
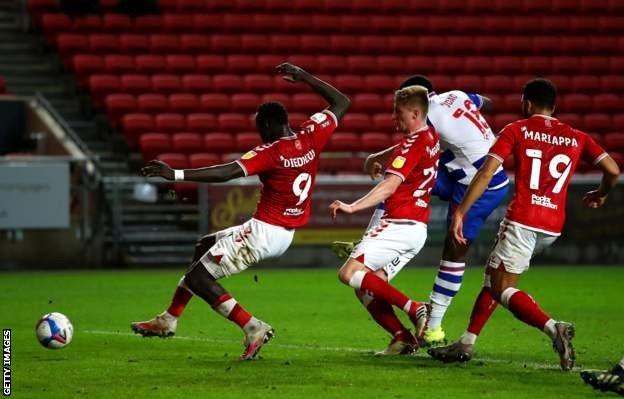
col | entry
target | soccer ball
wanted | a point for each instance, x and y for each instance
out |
(54, 330)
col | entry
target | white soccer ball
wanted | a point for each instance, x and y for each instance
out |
(54, 330)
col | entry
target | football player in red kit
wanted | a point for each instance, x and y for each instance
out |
(387, 247)
(546, 152)
(287, 165)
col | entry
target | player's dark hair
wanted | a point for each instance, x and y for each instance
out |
(271, 120)
(541, 92)
(417, 80)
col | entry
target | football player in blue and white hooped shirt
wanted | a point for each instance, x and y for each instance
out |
(465, 139)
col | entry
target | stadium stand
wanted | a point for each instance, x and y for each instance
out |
(189, 79)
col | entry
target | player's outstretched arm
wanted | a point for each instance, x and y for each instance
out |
(338, 102)
(373, 165)
(610, 173)
(477, 187)
(378, 194)
(211, 174)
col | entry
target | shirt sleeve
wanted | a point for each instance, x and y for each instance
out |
(404, 158)
(476, 99)
(592, 152)
(320, 126)
(503, 146)
(257, 161)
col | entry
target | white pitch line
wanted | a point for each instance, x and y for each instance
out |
(533, 365)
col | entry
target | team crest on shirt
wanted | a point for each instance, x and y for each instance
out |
(398, 162)
(249, 154)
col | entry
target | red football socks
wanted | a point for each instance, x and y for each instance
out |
(384, 315)
(482, 310)
(380, 289)
(180, 299)
(227, 306)
(524, 308)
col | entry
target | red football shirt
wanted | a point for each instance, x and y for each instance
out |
(287, 169)
(415, 161)
(546, 153)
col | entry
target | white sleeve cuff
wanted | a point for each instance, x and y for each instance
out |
(242, 167)
(394, 172)
(600, 158)
(497, 157)
(332, 115)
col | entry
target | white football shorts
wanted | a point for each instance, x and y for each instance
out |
(390, 245)
(515, 246)
(239, 247)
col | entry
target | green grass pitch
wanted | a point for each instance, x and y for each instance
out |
(323, 345)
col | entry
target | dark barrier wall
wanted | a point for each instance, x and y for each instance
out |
(11, 126)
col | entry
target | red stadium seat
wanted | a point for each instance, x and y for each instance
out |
(597, 122)
(116, 23)
(343, 44)
(297, 119)
(210, 63)
(227, 83)
(576, 103)
(373, 142)
(164, 83)
(152, 103)
(507, 65)
(355, 23)
(379, 83)
(356, 122)
(344, 142)
(268, 22)
(234, 122)
(612, 83)
(164, 44)
(187, 142)
(235, 22)
(100, 85)
(453, 65)
(618, 122)
(285, 43)
(133, 43)
(406, 44)
(592, 65)
(296, 23)
(267, 63)
(247, 140)
(501, 120)
(184, 103)
(196, 83)
(174, 160)
(168, 122)
(214, 102)
(134, 124)
(614, 142)
(497, 84)
(203, 159)
(134, 83)
(225, 43)
(69, 43)
(87, 23)
(150, 63)
(255, 43)
(148, 23)
(176, 22)
(191, 43)
(383, 123)
(219, 142)
(180, 63)
(84, 64)
(281, 98)
(469, 83)
(153, 144)
(585, 83)
(307, 102)
(573, 120)
(203, 22)
(201, 122)
(245, 102)
(326, 23)
(52, 23)
(103, 43)
(190, 5)
(359, 64)
(350, 83)
(120, 104)
(367, 102)
(607, 103)
(477, 65)
(241, 63)
(258, 83)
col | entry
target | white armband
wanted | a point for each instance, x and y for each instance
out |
(178, 174)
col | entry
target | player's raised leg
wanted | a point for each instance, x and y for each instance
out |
(403, 341)
(165, 323)
(202, 282)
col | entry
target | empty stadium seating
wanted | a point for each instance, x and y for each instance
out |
(183, 85)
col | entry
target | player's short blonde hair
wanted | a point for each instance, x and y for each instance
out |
(412, 96)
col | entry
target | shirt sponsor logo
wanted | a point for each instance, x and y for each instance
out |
(544, 201)
(299, 161)
(549, 139)
(398, 162)
(293, 212)
(433, 151)
(249, 155)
